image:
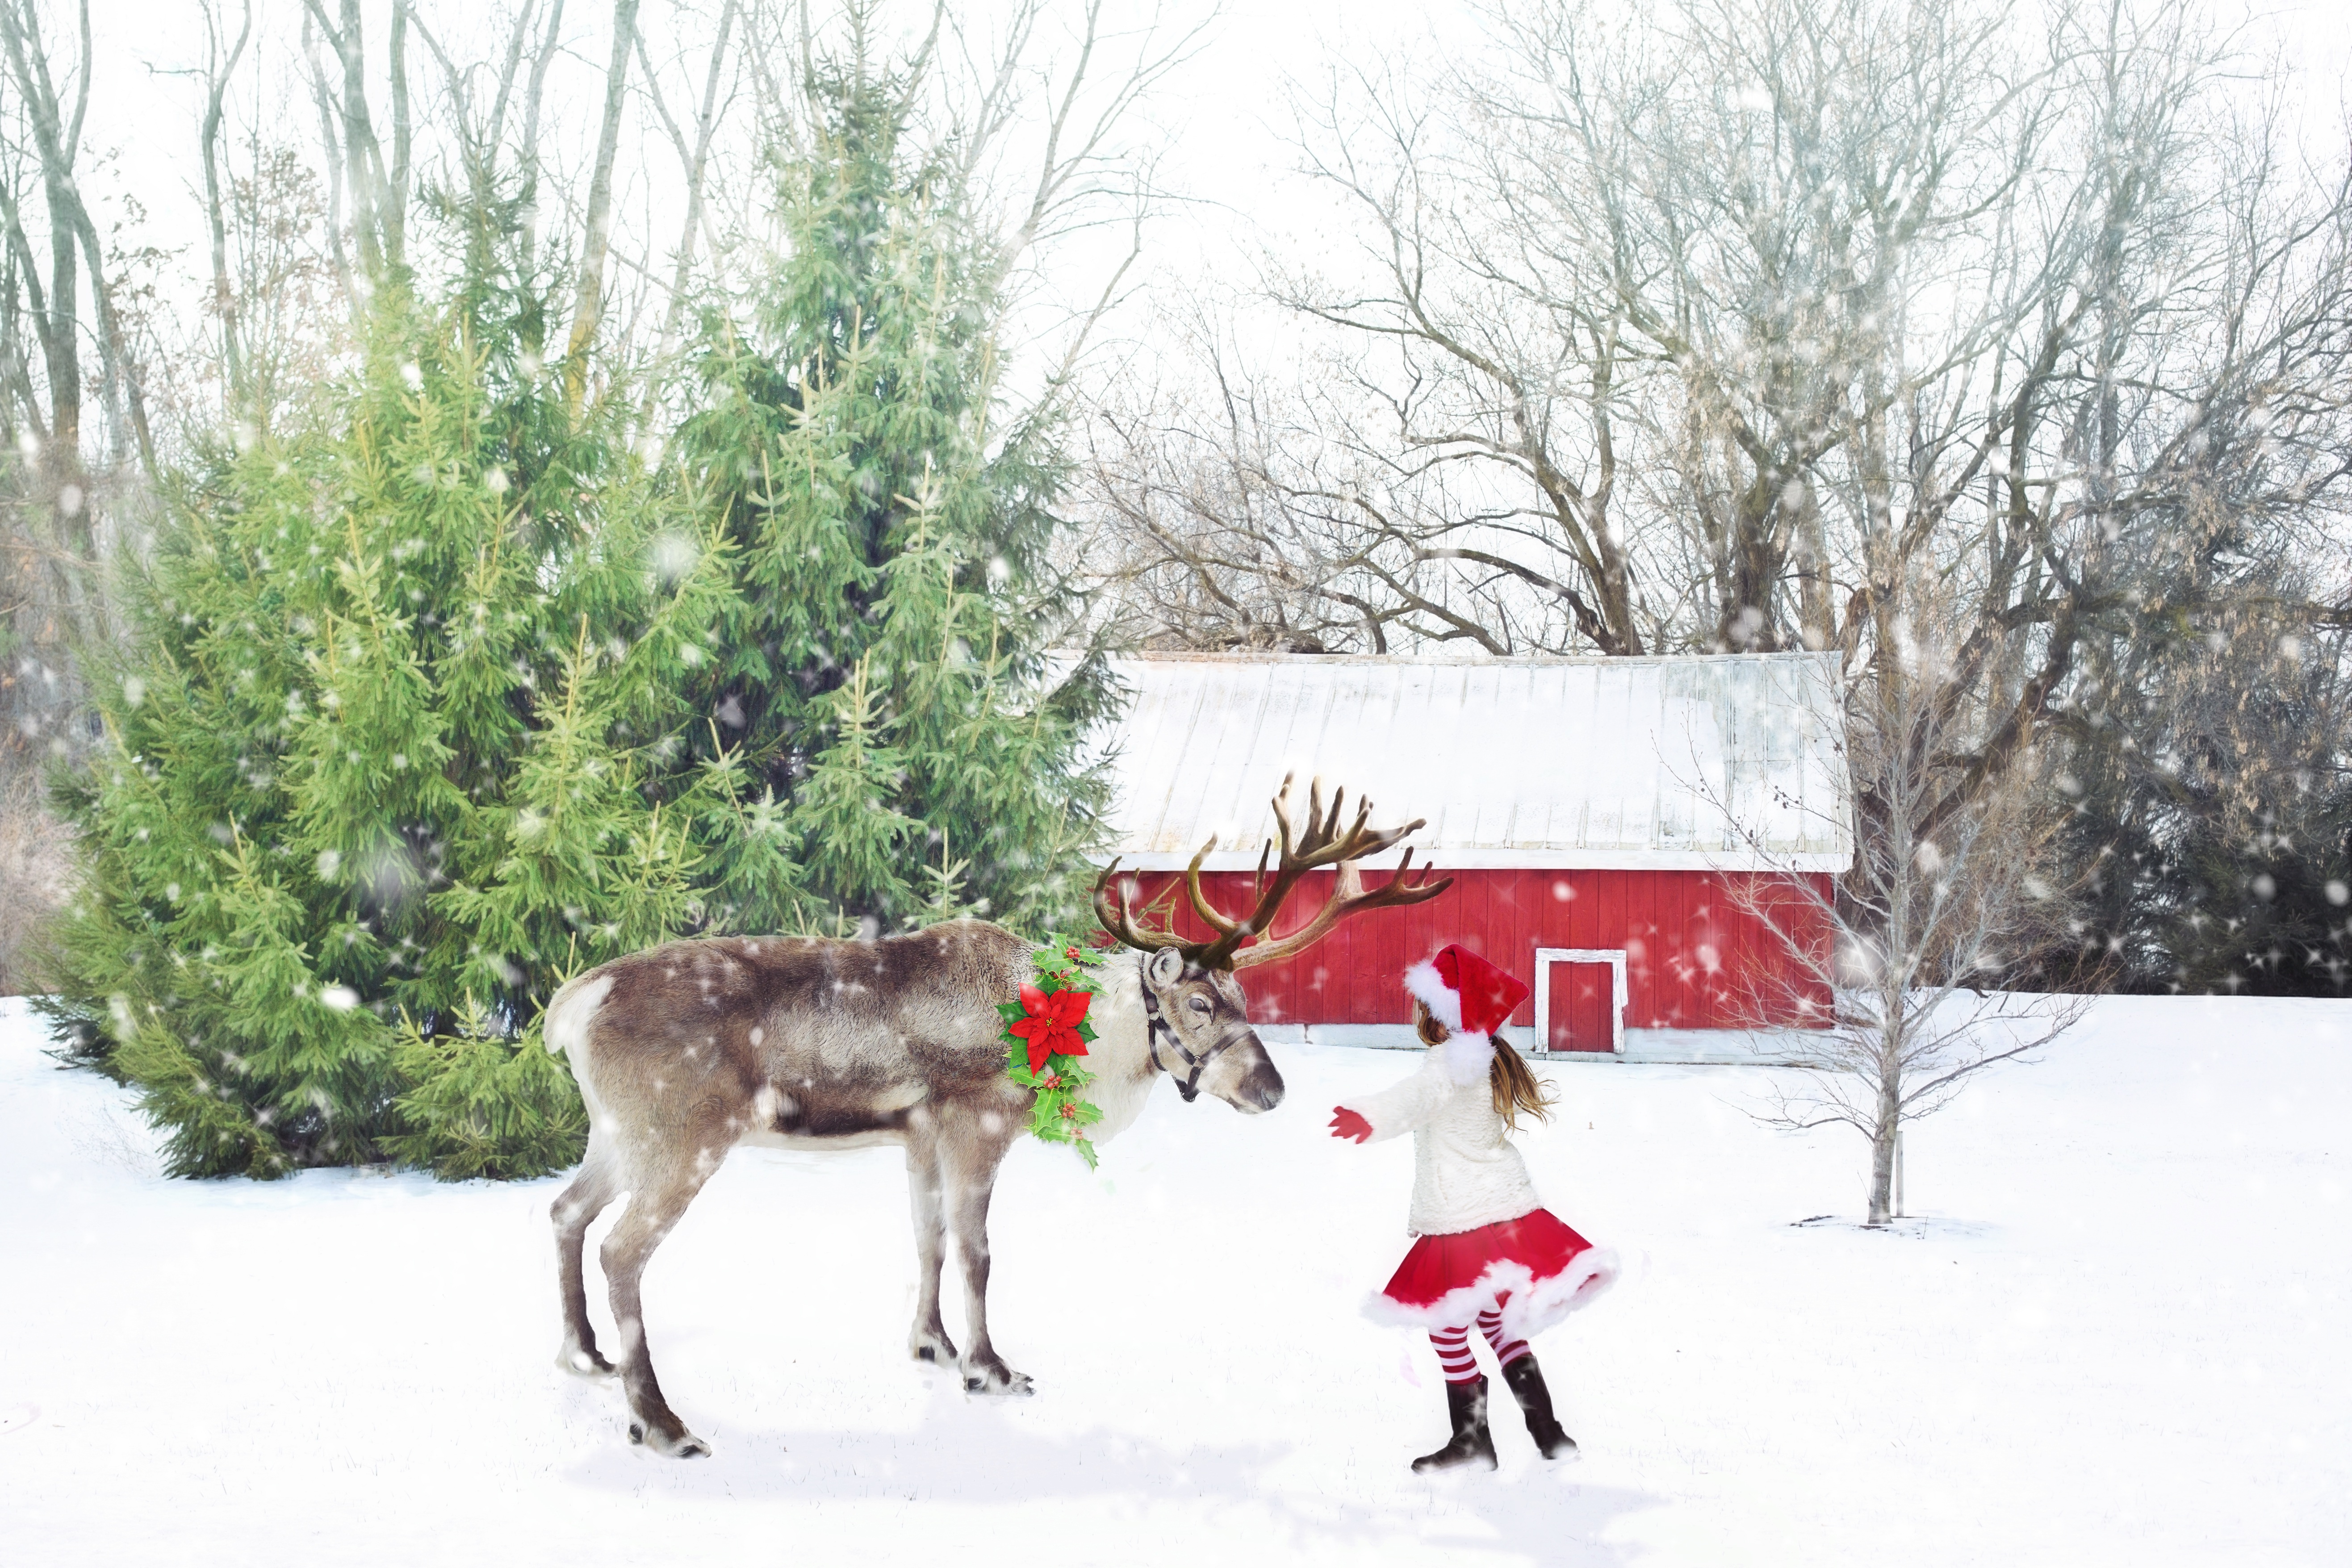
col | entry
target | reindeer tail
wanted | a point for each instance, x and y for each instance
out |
(572, 1010)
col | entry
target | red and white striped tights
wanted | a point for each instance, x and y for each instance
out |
(1453, 1346)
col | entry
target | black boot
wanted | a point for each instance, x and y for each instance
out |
(1526, 1379)
(1472, 1444)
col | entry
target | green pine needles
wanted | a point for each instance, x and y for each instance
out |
(445, 696)
(376, 775)
(884, 669)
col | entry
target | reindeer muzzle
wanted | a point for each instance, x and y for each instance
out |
(1159, 1029)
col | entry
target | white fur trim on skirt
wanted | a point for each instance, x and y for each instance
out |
(1534, 1305)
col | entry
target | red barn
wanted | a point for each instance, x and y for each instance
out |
(1594, 814)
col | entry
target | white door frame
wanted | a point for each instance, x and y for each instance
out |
(1614, 957)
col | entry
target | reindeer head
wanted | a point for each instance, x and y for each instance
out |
(1199, 1015)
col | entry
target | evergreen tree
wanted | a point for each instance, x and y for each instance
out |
(2205, 840)
(441, 697)
(882, 675)
(372, 784)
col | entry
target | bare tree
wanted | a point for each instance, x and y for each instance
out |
(220, 65)
(1522, 387)
(694, 158)
(56, 133)
(588, 310)
(60, 469)
(1234, 520)
(378, 191)
(277, 288)
(1937, 907)
(36, 868)
(1712, 327)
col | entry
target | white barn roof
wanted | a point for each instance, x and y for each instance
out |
(1627, 764)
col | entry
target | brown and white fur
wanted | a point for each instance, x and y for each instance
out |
(686, 1050)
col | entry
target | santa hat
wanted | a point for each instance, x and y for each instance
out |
(1471, 998)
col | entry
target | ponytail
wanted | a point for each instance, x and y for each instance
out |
(1517, 1087)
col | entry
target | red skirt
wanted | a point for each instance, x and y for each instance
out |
(1534, 1268)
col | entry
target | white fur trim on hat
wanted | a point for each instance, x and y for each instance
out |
(1428, 987)
(1468, 1055)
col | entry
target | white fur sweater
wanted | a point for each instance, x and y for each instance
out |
(1466, 1174)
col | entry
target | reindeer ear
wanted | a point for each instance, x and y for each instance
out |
(1164, 967)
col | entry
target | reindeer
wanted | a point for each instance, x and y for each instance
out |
(687, 1050)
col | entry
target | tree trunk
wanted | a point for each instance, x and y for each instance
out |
(1882, 1152)
(589, 310)
(363, 164)
(395, 196)
(1816, 613)
(217, 74)
(330, 143)
(698, 164)
(527, 155)
(61, 346)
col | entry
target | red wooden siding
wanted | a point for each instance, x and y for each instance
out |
(1693, 961)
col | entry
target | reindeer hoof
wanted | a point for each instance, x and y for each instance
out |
(998, 1380)
(680, 1445)
(584, 1363)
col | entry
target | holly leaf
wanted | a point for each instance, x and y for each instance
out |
(1057, 1115)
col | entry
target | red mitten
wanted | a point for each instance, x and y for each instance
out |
(1345, 1123)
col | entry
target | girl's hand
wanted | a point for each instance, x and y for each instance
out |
(1345, 1123)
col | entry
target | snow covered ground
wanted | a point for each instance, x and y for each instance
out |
(2120, 1336)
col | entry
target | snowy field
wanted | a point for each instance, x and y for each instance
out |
(2120, 1335)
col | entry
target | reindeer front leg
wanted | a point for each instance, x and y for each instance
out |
(971, 1156)
(928, 1341)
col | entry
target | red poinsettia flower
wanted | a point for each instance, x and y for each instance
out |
(1052, 1027)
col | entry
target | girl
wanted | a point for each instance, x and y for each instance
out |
(1488, 1251)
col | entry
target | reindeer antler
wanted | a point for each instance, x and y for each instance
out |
(1347, 897)
(1320, 845)
(1111, 908)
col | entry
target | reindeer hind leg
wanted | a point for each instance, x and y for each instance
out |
(589, 1193)
(655, 1205)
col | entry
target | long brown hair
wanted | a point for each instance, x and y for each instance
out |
(1514, 1083)
(1517, 1087)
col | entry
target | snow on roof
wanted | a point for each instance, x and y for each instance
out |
(1629, 764)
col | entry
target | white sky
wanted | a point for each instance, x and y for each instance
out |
(1222, 118)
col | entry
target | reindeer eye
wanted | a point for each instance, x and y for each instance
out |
(1199, 1004)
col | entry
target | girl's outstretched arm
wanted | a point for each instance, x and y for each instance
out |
(1396, 1110)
